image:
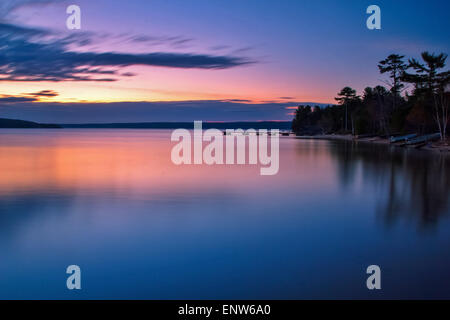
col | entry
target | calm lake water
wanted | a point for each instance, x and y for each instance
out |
(112, 202)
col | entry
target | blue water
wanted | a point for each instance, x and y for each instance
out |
(139, 227)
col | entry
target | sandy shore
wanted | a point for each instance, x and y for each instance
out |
(432, 147)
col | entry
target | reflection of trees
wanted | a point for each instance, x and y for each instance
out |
(416, 183)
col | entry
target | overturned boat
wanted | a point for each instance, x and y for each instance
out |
(403, 138)
(423, 139)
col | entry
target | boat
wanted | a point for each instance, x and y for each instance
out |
(425, 138)
(403, 138)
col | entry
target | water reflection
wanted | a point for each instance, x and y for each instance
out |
(416, 183)
(141, 227)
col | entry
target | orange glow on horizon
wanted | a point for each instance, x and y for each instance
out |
(165, 84)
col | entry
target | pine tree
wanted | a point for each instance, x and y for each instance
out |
(432, 84)
(345, 97)
(395, 65)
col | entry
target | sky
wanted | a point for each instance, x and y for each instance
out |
(211, 60)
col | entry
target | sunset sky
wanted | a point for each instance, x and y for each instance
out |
(137, 60)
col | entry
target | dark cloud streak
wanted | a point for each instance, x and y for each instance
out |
(28, 97)
(44, 93)
(28, 54)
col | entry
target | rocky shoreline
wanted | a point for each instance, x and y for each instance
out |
(431, 147)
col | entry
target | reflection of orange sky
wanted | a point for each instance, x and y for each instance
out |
(164, 84)
(133, 163)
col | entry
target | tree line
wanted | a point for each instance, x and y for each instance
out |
(385, 110)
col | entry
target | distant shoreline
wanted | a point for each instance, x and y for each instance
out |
(21, 124)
